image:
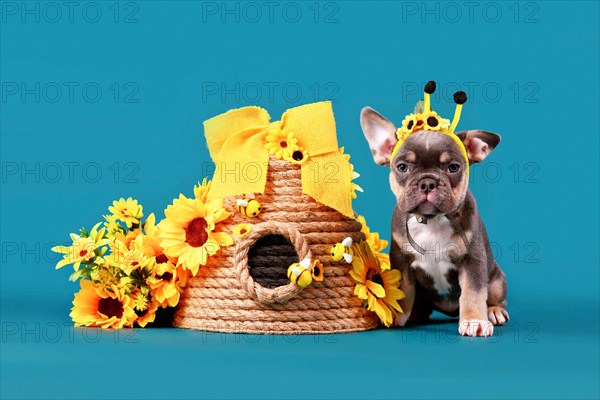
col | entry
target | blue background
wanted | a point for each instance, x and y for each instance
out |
(531, 72)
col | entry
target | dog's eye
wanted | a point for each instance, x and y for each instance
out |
(454, 167)
(402, 167)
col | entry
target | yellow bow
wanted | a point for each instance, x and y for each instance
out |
(236, 141)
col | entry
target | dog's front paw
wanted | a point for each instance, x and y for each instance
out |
(475, 327)
(497, 315)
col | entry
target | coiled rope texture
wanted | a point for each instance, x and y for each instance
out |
(224, 297)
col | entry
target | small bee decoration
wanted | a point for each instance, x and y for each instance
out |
(343, 251)
(301, 273)
(248, 207)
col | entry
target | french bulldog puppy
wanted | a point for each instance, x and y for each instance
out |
(439, 242)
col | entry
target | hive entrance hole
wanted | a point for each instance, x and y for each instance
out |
(269, 259)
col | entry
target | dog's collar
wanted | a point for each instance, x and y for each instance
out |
(423, 220)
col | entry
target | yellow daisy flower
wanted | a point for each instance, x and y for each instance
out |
(152, 241)
(147, 315)
(378, 287)
(281, 144)
(188, 231)
(242, 230)
(433, 122)
(129, 257)
(297, 156)
(129, 236)
(101, 308)
(128, 211)
(112, 226)
(140, 301)
(83, 249)
(167, 284)
(384, 260)
(408, 125)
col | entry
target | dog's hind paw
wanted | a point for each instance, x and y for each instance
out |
(497, 315)
(475, 327)
(400, 320)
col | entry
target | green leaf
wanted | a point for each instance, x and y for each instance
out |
(83, 233)
(419, 107)
(83, 272)
(140, 276)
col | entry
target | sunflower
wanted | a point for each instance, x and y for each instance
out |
(317, 271)
(298, 155)
(376, 244)
(281, 144)
(151, 240)
(384, 260)
(96, 307)
(128, 211)
(242, 230)
(167, 283)
(147, 316)
(378, 287)
(188, 231)
(408, 125)
(419, 122)
(433, 122)
(84, 248)
(144, 309)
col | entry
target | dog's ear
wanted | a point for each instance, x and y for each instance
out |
(380, 133)
(479, 144)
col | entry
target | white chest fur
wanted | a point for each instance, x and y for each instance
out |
(435, 238)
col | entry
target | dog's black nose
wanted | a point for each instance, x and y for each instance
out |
(427, 185)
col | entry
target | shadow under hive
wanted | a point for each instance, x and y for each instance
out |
(244, 288)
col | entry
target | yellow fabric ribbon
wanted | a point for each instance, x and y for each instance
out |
(236, 141)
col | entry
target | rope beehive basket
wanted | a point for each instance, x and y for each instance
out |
(244, 288)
